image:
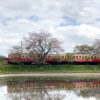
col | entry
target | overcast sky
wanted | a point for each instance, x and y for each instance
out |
(74, 22)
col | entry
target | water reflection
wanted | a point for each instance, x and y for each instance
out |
(49, 90)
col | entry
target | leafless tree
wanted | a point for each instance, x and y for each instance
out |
(16, 49)
(41, 44)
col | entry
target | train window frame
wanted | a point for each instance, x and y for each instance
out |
(82, 57)
(62, 56)
(48, 56)
(76, 57)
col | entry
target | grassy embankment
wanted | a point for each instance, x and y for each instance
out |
(8, 68)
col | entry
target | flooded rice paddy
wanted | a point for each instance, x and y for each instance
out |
(48, 89)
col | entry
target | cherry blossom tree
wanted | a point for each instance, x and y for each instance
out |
(41, 44)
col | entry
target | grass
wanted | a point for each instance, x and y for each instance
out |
(8, 68)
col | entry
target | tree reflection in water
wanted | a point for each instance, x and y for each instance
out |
(33, 91)
(90, 93)
(52, 90)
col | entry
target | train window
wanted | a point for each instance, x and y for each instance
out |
(79, 56)
(83, 57)
(45, 56)
(53, 56)
(95, 57)
(91, 57)
(62, 57)
(29, 57)
(48, 56)
(76, 56)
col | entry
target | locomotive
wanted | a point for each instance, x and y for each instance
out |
(55, 58)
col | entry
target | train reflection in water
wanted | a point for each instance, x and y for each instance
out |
(52, 90)
(14, 86)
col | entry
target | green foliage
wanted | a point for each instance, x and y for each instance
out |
(87, 58)
(57, 58)
(70, 86)
(98, 65)
(83, 49)
(69, 57)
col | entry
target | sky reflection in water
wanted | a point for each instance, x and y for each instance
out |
(49, 90)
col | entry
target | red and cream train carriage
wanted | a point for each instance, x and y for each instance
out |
(52, 58)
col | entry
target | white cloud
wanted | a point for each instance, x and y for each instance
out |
(80, 25)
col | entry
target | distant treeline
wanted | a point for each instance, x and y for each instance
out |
(3, 58)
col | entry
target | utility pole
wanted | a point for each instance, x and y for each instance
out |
(21, 47)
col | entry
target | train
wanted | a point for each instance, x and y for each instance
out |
(68, 58)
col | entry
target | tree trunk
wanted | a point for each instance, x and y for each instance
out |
(39, 64)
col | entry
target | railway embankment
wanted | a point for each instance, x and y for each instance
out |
(6, 68)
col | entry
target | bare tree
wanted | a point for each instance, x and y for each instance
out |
(16, 49)
(15, 52)
(41, 44)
